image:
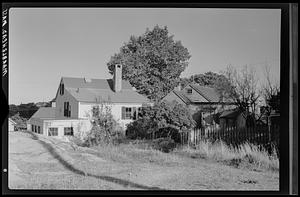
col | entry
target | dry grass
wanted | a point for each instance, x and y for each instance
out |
(246, 155)
(136, 152)
(123, 166)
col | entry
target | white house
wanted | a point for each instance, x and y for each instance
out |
(11, 125)
(71, 110)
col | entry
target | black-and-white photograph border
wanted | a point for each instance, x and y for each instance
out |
(162, 98)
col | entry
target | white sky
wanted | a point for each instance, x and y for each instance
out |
(48, 43)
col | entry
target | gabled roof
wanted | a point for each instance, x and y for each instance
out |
(12, 121)
(96, 90)
(98, 95)
(182, 96)
(44, 112)
(190, 98)
(104, 84)
(53, 100)
(205, 95)
(210, 94)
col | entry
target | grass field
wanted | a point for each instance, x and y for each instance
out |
(39, 162)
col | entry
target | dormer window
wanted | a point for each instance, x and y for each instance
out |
(61, 89)
(189, 90)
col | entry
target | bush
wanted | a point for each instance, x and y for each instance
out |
(140, 129)
(21, 122)
(169, 132)
(163, 144)
(164, 119)
(105, 129)
(118, 137)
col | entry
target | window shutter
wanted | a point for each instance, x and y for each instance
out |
(134, 113)
(123, 113)
(64, 108)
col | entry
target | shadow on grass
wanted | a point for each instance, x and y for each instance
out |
(80, 172)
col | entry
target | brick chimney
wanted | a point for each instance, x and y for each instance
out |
(117, 78)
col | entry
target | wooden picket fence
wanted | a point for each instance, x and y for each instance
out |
(231, 135)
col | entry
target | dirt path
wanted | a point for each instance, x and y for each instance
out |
(45, 163)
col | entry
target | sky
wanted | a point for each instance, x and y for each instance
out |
(48, 43)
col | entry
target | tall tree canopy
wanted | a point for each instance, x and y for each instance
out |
(152, 62)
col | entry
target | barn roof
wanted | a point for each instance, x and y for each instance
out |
(96, 90)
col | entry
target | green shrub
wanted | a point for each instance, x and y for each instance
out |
(164, 119)
(105, 129)
(140, 129)
(169, 132)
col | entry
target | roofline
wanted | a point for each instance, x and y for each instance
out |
(199, 92)
(58, 88)
(55, 118)
(180, 97)
(71, 95)
(10, 119)
(90, 102)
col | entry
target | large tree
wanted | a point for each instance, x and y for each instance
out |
(152, 62)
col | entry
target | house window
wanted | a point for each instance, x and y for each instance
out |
(61, 89)
(139, 110)
(67, 109)
(39, 129)
(68, 131)
(35, 129)
(53, 131)
(189, 91)
(32, 127)
(129, 113)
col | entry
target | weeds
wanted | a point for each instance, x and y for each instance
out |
(246, 155)
(136, 152)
